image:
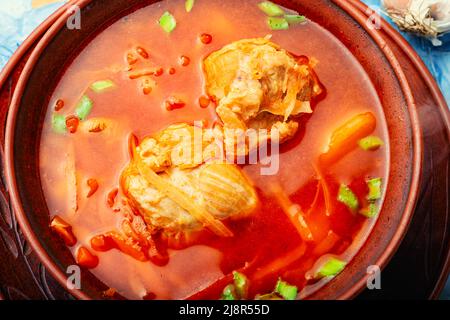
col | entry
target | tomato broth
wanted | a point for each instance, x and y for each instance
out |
(68, 161)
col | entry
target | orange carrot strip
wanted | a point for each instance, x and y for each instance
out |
(64, 230)
(345, 138)
(326, 244)
(142, 52)
(93, 187)
(111, 198)
(293, 211)
(86, 259)
(142, 73)
(114, 240)
(280, 263)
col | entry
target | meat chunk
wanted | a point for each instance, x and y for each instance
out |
(256, 82)
(159, 211)
(180, 145)
(182, 197)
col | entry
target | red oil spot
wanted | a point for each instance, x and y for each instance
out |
(205, 38)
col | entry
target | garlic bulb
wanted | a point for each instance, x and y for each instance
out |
(430, 18)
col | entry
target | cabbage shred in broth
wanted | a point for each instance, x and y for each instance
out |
(99, 150)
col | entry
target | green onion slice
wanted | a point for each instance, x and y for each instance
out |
(374, 189)
(83, 107)
(102, 85)
(59, 123)
(240, 284)
(347, 197)
(189, 4)
(229, 293)
(167, 22)
(331, 268)
(370, 143)
(294, 18)
(284, 289)
(370, 211)
(277, 23)
(270, 8)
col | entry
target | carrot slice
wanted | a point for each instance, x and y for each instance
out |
(136, 74)
(345, 138)
(293, 211)
(64, 230)
(93, 187)
(101, 243)
(280, 263)
(128, 247)
(114, 240)
(111, 198)
(86, 259)
(326, 244)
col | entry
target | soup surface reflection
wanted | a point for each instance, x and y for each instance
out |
(310, 216)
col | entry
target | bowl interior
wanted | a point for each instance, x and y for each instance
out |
(48, 65)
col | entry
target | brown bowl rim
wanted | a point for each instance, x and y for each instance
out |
(442, 104)
(408, 211)
(56, 23)
(52, 28)
(416, 59)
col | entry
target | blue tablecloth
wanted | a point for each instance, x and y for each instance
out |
(18, 19)
(436, 58)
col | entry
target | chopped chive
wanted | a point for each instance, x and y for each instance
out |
(294, 18)
(59, 123)
(83, 107)
(370, 211)
(277, 23)
(270, 8)
(374, 189)
(241, 284)
(370, 143)
(331, 268)
(229, 293)
(102, 85)
(347, 197)
(284, 289)
(167, 22)
(189, 4)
